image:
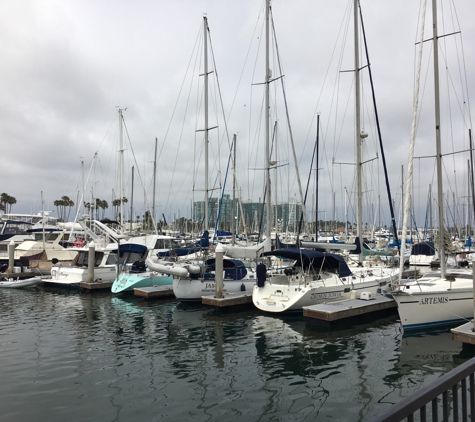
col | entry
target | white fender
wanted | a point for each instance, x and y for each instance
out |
(165, 269)
(193, 269)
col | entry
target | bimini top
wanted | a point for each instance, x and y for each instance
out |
(317, 260)
(423, 248)
(132, 248)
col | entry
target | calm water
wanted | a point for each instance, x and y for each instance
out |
(93, 357)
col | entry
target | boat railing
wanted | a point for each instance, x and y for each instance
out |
(452, 395)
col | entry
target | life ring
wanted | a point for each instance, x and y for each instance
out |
(79, 243)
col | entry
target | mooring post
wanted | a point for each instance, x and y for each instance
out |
(90, 262)
(11, 256)
(219, 253)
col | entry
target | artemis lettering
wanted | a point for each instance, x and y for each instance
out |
(433, 300)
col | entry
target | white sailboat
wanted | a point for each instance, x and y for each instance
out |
(440, 297)
(316, 276)
(196, 278)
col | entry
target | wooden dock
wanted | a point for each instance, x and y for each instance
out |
(229, 300)
(96, 285)
(353, 310)
(93, 286)
(464, 333)
(155, 292)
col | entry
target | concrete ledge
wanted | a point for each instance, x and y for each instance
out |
(155, 292)
(229, 299)
(464, 333)
(347, 309)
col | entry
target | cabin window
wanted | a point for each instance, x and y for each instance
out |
(130, 257)
(163, 244)
(83, 256)
(112, 259)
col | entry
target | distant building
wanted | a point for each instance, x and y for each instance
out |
(288, 214)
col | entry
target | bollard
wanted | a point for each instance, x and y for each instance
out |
(90, 262)
(219, 253)
(11, 256)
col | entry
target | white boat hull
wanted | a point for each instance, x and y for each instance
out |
(18, 284)
(195, 289)
(287, 294)
(439, 303)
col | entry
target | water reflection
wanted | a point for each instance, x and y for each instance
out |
(96, 356)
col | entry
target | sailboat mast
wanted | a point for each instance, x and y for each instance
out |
(205, 48)
(359, 173)
(154, 183)
(121, 152)
(267, 121)
(440, 195)
(233, 204)
(132, 202)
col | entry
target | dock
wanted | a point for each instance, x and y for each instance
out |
(464, 333)
(93, 286)
(96, 285)
(348, 310)
(154, 292)
(229, 300)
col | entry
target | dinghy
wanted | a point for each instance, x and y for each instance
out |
(17, 284)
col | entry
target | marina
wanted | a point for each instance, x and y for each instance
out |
(259, 246)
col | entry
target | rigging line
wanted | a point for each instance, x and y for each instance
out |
(462, 75)
(289, 126)
(388, 190)
(227, 134)
(175, 107)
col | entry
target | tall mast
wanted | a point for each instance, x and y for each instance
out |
(154, 182)
(440, 195)
(233, 203)
(359, 175)
(205, 47)
(132, 202)
(267, 119)
(121, 152)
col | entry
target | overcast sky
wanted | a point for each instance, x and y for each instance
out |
(66, 67)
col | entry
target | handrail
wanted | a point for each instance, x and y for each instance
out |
(408, 406)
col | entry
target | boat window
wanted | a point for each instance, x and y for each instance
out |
(163, 244)
(112, 259)
(99, 256)
(130, 257)
(82, 259)
(16, 227)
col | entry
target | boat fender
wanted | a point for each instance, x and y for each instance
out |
(193, 269)
(243, 287)
(55, 261)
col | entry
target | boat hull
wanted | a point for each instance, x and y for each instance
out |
(433, 300)
(195, 289)
(18, 284)
(431, 309)
(291, 294)
(127, 282)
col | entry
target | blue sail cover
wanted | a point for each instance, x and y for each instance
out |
(132, 247)
(317, 260)
(203, 243)
(423, 248)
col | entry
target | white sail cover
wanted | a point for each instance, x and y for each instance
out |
(248, 252)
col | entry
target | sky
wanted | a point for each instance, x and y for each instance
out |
(68, 66)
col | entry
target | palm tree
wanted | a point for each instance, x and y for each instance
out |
(103, 205)
(62, 205)
(116, 205)
(6, 202)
